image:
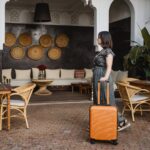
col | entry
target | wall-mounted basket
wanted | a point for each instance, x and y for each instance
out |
(35, 52)
(25, 39)
(54, 53)
(17, 52)
(46, 40)
(62, 40)
(10, 39)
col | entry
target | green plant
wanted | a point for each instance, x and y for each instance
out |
(138, 58)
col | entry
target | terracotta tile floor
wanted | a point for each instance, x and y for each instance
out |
(63, 127)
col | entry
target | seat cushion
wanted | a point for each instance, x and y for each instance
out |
(14, 102)
(139, 97)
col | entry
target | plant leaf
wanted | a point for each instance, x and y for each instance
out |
(146, 37)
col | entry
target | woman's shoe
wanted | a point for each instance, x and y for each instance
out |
(124, 126)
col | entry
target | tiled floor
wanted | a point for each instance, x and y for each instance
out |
(62, 125)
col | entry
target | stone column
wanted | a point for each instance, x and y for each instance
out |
(2, 31)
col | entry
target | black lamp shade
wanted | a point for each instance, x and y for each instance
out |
(42, 13)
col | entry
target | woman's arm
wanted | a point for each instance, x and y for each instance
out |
(109, 62)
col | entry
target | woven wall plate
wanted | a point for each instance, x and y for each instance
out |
(25, 39)
(46, 40)
(62, 40)
(54, 53)
(10, 39)
(17, 52)
(35, 52)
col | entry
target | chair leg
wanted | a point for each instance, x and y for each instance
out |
(132, 113)
(25, 116)
(1, 119)
(141, 110)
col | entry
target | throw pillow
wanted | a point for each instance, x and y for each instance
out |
(52, 73)
(67, 73)
(88, 73)
(35, 73)
(122, 75)
(79, 73)
(23, 74)
(6, 73)
(114, 75)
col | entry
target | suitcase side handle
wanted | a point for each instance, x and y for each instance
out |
(106, 93)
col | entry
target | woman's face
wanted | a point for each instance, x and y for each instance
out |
(99, 41)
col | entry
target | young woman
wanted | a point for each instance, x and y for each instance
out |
(102, 71)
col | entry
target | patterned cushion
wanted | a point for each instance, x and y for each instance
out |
(79, 74)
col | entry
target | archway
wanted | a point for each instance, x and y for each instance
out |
(122, 29)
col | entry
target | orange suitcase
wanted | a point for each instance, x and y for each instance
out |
(103, 120)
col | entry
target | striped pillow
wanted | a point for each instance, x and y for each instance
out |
(79, 74)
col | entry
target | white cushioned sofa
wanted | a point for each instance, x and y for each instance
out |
(60, 77)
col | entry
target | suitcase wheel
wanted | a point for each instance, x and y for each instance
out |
(92, 141)
(114, 142)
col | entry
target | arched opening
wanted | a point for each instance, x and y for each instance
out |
(121, 18)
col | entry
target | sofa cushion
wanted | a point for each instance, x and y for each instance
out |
(79, 73)
(23, 74)
(6, 73)
(67, 73)
(122, 75)
(114, 75)
(88, 73)
(35, 73)
(52, 73)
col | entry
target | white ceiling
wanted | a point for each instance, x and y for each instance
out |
(68, 5)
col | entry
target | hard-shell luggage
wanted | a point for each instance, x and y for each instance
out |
(103, 119)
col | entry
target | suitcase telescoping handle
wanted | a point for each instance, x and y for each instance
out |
(107, 95)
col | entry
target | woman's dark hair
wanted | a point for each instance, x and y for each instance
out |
(106, 40)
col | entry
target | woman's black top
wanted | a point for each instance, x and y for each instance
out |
(100, 58)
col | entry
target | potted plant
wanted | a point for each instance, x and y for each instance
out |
(137, 60)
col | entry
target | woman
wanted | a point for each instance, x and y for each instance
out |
(102, 70)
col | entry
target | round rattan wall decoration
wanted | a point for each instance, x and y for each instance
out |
(54, 53)
(10, 39)
(62, 40)
(17, 52)
(35, 52)
(25, 39)
(46, 40)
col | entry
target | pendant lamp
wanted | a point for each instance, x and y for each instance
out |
(42, 13)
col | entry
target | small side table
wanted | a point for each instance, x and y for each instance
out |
(85, 87)
(73, 85)
(42, 83)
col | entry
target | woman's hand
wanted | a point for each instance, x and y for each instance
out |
(103, 79)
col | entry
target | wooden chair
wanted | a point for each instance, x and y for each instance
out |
(24, 93)
(127, 80)
(133, 98)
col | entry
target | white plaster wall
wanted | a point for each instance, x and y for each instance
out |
(142, 15)
(118, 10)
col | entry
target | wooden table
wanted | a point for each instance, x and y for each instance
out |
(42, 83)
(7, 93)
(145, 84)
